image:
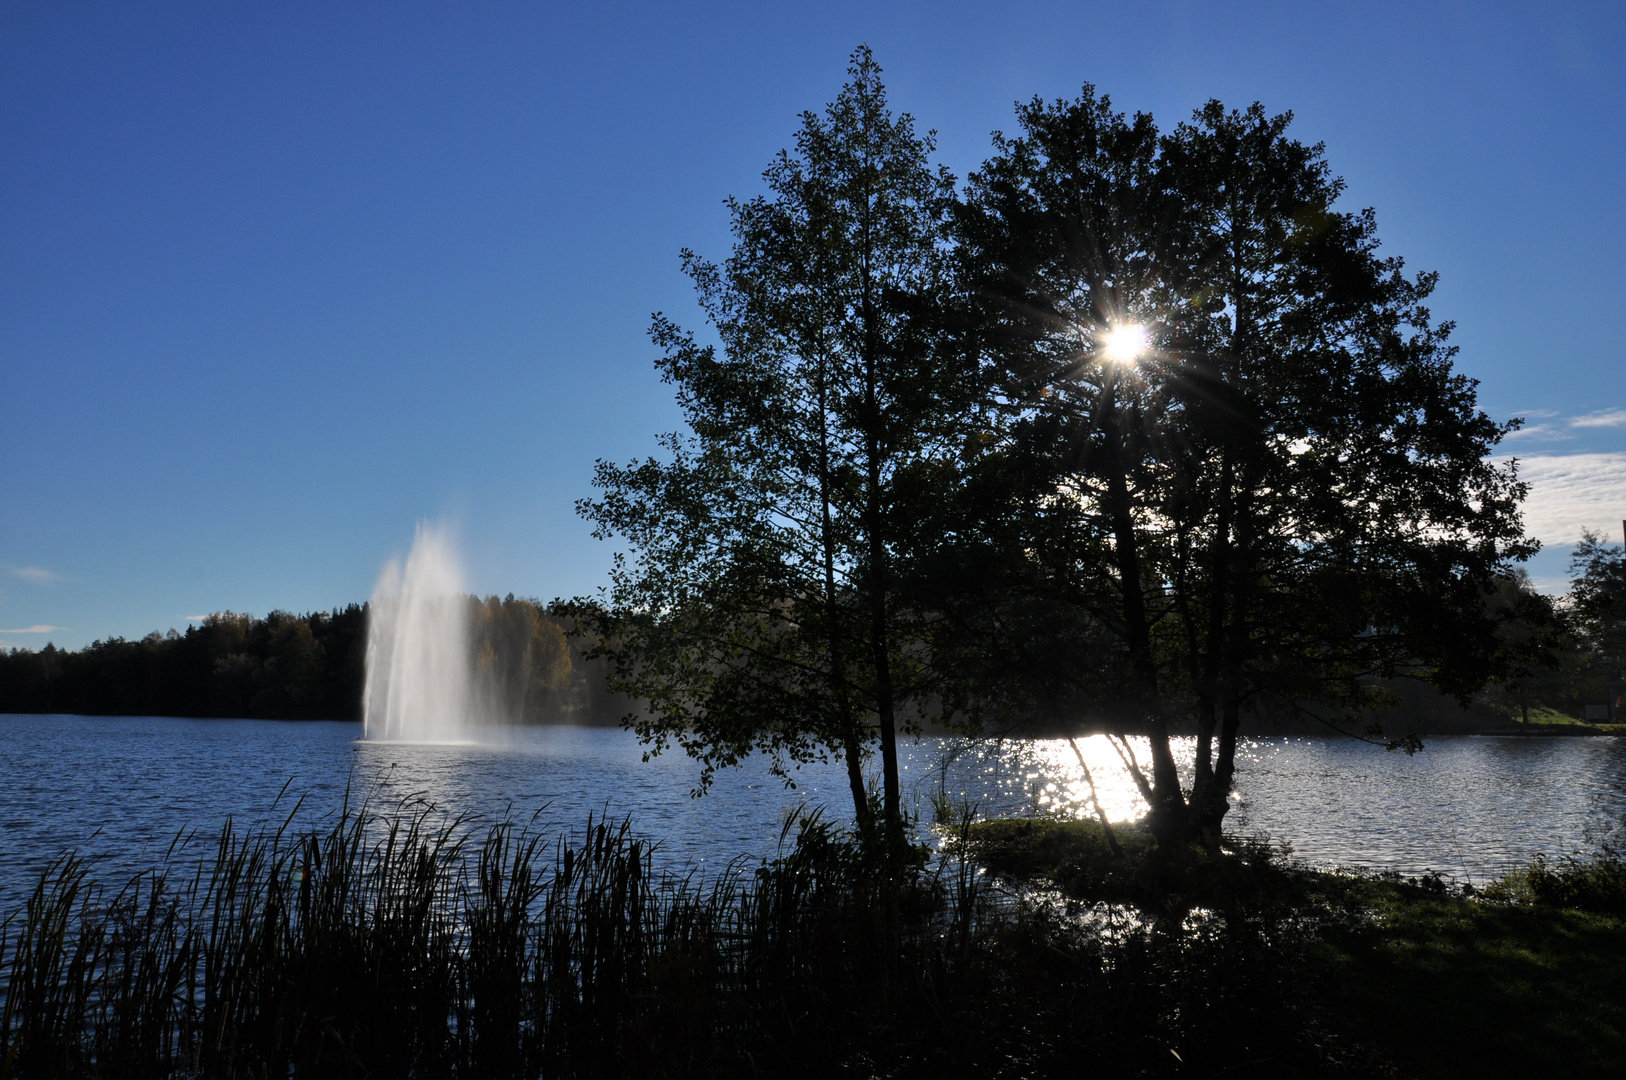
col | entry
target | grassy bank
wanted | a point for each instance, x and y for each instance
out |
(1401, 978)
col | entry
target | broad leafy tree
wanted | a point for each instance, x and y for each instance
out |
(1537, 651)
(1597, 611)
(1248, 470)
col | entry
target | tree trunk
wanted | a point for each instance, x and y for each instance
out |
(1208, 817)
(1210, 788)
(880, 646)
(852, 741)
(879, 583)
(1166, 817)
(853, 751)
(1227, 626)
(1211, 815)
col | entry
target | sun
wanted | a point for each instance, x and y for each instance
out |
(1125, 343)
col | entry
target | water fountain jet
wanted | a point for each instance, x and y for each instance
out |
(417, 686)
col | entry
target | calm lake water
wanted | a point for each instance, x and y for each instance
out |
(121, 788)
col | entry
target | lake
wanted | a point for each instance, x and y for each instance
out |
(121, 788)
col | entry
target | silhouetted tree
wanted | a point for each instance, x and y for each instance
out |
(281, 667)
(302, 667)
(1537, 651)
(759, 608)
(1285, 494)
(1597, 611)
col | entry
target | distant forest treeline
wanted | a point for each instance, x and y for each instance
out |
(303, 667)
(1566, 653)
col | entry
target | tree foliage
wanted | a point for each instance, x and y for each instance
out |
(760, 607)
(521, 665)
(1289, 492)
(1598, 594)
(284, 666)
(1142, 431)
(304, 667)
(1597, 616)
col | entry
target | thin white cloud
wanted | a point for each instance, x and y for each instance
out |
(1572, 492)
(195, 618)
(37, 628)
(1539, 431)
(37, 574)
(1548, 426)
(1606, 418)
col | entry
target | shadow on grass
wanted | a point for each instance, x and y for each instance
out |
(1395, 978)
(1458, 987)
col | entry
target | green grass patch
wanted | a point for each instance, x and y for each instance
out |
(1451, 987)
(1597, 885)
(1075, 858)
(1072, 855)
(1543, 715)
(1550, 718)
(1399, 978)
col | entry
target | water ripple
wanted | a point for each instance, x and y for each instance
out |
(122, 788)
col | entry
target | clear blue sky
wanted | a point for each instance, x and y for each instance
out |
(278, 280)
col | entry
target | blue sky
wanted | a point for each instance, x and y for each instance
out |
(279, 280)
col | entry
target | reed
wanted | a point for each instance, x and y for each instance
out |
(1596, 883)
(406, 944)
